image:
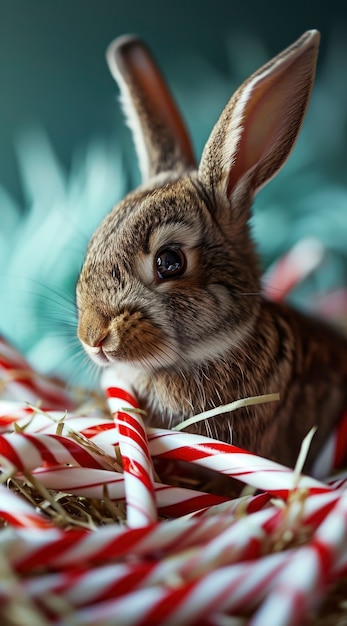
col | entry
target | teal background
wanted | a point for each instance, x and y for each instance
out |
(66, 156)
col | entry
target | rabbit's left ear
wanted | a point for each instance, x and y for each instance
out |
(160, 136)
(257, 130)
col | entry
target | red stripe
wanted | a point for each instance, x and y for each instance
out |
(23, 520)
(7, 365)
(189, 506)
(318, 516)
(258, 502)
(45, 453)
(71, 578)
(113, 589)
(325, 554)
(117, 392)
(131, 421)
(51, 550)
(7, 420)
(123, 544)
(10, 454)
(253, 549)
(77, 452)
(185, 454)
(135, 469)
(135, 437)
(167, 605)
(248, 598)
(127, 583)
(212, 447)
(13, 361)
(95, 430)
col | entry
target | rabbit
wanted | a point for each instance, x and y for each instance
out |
(170, 289)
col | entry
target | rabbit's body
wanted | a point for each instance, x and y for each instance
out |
(310, 378)
(171, 284)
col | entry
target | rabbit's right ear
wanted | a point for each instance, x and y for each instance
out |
(257, 129)
(161, 139)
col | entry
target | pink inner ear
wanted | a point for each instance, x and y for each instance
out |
(270, 123)
(158, 103)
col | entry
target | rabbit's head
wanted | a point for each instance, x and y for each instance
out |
(171, 278)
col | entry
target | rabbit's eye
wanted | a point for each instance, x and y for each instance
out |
(170, 262)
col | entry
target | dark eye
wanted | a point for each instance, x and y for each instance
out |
(170, 262)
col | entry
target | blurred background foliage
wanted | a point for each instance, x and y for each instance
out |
(66, 156)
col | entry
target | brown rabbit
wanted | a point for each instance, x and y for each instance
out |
(170, 287)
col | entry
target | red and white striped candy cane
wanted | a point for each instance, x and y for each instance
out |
(137, 464)
(83, 588)
(27, 452)
(19, 513)
(65, 549)
(228, 589)
(94, 426)
(292, 268)
(301, 585)
(21, 382)
(58, 549)
(90, 483)
(230, 460)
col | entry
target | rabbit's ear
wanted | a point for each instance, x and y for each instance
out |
(161, 139)
(257, 130)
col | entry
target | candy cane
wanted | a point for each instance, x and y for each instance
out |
(17, 512)
(242, 536)
(117, 590)
(21, 381)
(229, 460)
(60, 549)
(12, 413)
(229, 588)
(90, 483)
(241, 586)
(221, 457)
(137, 465)
(81, 588)
(292, 268)
(93, 426)
(300, 585)
(26, 452)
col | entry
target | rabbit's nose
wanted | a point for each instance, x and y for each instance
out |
(93, 328)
